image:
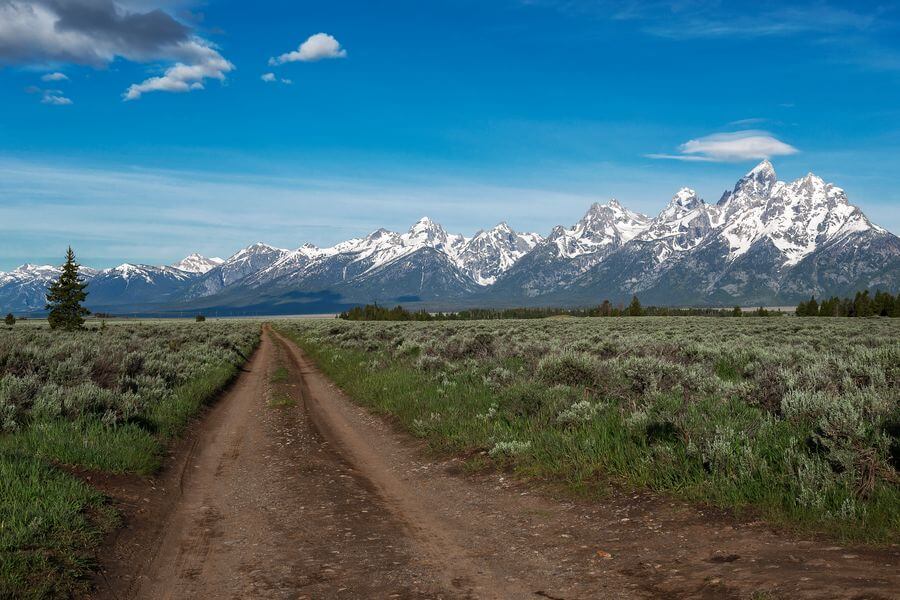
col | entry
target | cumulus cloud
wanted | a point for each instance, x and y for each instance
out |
(207, 64)
(54, 77)
(96, 32)
(318, 47)
(731, 147)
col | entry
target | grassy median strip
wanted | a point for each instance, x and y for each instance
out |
(789, 420)
(104, 400)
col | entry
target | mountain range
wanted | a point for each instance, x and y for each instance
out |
(764, 242)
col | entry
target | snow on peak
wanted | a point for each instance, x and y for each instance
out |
(754, 187)
(686, 198)
(197, 263)
(796, 217)
(491, 253)
(765, 168)
(603, 227)
(426, 231)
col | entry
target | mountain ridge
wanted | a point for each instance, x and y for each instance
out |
(764, 241)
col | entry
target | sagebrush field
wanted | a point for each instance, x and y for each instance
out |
(794, 419)
(103, 399)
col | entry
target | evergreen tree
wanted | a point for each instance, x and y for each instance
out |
(830, 307)
(10, 320)
(634, 309)
(812, 307)
(801, 309)
(863, 304)
(737, 312)
(64, 297)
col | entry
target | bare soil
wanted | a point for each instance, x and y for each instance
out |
(286, 489)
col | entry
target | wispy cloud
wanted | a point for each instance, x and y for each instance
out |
(320, 46)
(750, 121)
(48, 96)
(55, 77)
(693, 19)
(735, 146)
(56, 98)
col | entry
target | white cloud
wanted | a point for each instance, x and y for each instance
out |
(271, 78)
(318, 47)
(55, 98)
(208, 64)
(731, 147)
(55, 77)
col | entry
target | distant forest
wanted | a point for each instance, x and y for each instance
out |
(882, 304)
(374, 312)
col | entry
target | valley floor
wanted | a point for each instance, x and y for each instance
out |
(288, 489)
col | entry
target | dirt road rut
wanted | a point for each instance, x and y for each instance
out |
(291, 491)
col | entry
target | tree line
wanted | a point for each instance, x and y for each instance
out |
(882, 304)
(374, 312)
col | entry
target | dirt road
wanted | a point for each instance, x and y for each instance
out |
(290, 490)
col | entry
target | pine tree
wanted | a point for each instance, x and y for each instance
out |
(863, 304)
(801, 309)
(10, 320)
(634, 309)
(64, 297)
(737, 312)
(812, 307)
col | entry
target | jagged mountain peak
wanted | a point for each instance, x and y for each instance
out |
(197, 263)
(381, 234)
(754, 187)
(686, 198)
(765, 167)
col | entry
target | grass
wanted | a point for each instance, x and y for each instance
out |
(789, 420)
(281, 400)
(280, 375)
(66, 403)
(50, 526)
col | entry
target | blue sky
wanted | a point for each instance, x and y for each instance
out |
(471, 112)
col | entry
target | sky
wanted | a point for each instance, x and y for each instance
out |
(144, 130)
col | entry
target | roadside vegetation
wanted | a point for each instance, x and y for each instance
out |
(92, 397)
(797, 420)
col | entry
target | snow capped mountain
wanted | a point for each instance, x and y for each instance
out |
(795, 217)
(681, 225)
(25, 287)
(360, 260)
(247, 261)
(604, 226)
(491, 253)
(196, 263)
(130, 284)
(765, 241)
